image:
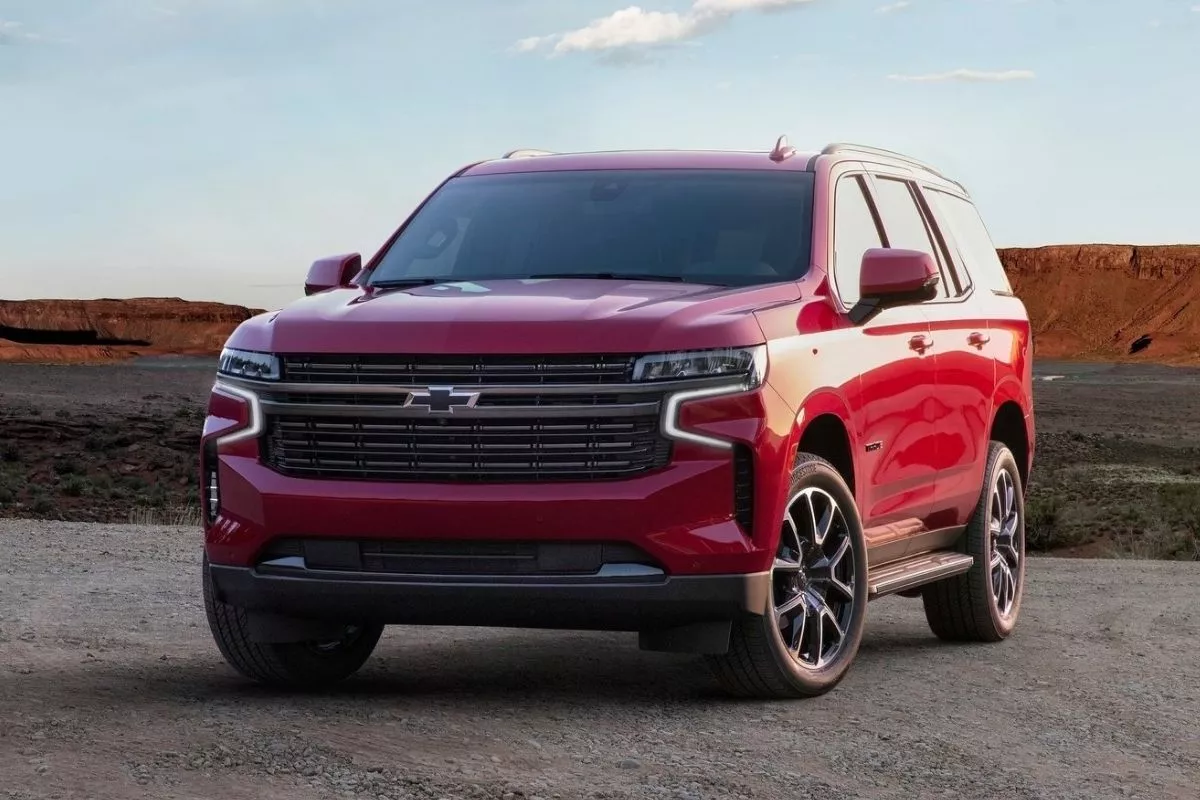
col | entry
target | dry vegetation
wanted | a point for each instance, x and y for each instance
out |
(1117, 468)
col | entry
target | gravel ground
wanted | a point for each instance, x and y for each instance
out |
(110, 687)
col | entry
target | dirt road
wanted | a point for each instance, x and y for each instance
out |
(111, 688)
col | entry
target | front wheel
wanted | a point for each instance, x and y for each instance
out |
(300, 666)
(807, 637)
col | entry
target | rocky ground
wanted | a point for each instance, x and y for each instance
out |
(1117, 469)
(111, 687)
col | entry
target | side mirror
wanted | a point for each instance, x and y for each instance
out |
(332, 273)
(893, 277)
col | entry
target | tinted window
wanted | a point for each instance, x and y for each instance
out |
(902, 218)
(720, 227)
(854, 232)
(904, 224)
(974, 244)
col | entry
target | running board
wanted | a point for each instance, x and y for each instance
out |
(917, 571)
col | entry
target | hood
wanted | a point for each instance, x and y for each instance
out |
(517, 316)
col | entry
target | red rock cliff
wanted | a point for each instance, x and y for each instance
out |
(101, 330)
(1085, 301)
(1097, 301)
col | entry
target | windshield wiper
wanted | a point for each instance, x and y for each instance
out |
(608, 276)
(401, 283)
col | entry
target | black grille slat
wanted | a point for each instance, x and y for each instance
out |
(743, 488)
(457, 370)
(468, 450)
(398, 399)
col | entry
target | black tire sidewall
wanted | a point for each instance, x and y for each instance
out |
(811, 471)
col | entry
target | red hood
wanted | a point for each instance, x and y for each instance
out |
(512, 316)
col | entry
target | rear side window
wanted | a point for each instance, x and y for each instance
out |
(901, 218)
(976, 252)
(854, 233)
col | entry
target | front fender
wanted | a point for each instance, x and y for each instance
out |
(823, 402)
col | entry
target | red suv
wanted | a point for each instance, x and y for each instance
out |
(722, 399)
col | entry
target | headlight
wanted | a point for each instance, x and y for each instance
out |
(735, 362)
(247, 364)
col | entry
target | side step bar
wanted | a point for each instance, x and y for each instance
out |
(916, 571)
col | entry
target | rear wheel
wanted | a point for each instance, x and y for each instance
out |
(982, 604)
(302, 665)
(808, 635)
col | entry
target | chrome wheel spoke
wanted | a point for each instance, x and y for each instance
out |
(793, 531)
(1005, 537)
(812, 516)
(796, 628)
(813, 578)
(790, 605)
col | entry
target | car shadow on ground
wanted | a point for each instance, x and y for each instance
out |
(486, 666)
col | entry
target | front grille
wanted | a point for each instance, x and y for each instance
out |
(398, 399)
(449, 370)
(442, 557)
(464, 450)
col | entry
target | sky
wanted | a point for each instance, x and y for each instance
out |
(212, 149)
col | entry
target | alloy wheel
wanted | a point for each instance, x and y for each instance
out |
(813, 579)
(1004, 527)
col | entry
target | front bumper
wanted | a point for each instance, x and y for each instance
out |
(683, 515)
(582, 603)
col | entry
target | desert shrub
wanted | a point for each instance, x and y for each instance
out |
(41, 504)
(1180, 504)
(7, 496)
(1043, 512)
(1160, 542)
(11, 452)
(66, 466)
(183, 516)
(74, 486)
(96, 442)
(132, 483)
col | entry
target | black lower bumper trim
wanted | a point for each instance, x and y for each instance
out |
(570, 603)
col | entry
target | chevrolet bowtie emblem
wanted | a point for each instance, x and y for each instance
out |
(441, 399)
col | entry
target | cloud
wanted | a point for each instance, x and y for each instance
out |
(969, 75)
(899, 5)
(14, 33)
(637, 28)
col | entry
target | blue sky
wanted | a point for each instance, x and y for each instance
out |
(211, 149)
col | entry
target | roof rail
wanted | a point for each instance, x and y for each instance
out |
(846, 147)
(527, 152)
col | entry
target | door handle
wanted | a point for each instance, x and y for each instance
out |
(978, 339)
(920, 343)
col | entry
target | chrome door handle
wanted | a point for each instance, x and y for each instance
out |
(978, 339)
(920, 343)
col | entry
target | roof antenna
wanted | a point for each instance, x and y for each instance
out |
(783, 151)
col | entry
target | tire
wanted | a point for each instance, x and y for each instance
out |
(815, 576)
(969, 607)
(306, 666)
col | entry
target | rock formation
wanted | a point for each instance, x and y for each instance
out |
(1111, 302)
(76, 331)
(1102, 302)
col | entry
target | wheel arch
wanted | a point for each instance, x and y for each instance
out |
(1010, 426)
(823, 428)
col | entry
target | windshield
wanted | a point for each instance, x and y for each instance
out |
(721, 227)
